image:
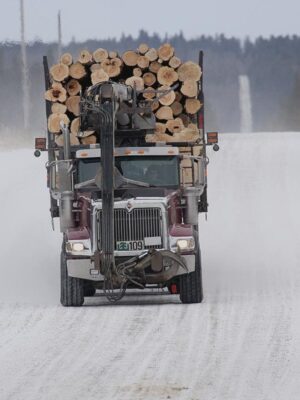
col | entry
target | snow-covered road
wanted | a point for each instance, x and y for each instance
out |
(242, 343)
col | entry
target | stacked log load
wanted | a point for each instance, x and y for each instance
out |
(146, 69)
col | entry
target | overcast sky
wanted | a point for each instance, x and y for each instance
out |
(100, 19)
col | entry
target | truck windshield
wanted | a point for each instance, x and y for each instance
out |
(157, 171)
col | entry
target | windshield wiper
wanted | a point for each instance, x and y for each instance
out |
(120, 180)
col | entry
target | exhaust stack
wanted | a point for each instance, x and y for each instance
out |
(66, 185)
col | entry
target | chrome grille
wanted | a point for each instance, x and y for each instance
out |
(134, 225)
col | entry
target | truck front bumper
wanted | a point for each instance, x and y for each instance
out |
(84, 268)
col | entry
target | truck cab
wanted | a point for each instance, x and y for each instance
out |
(150, 214)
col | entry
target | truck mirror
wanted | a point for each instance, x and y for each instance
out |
(200, 179)
(52, 177)
(216, 147)
(212, 138)
(37, 153)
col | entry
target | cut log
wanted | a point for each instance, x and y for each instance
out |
(149, 79)
(72, 104)
(178, 96)
(165, 113)
(155, 105)
(56, 93)
(165, 52)
(192, 106)
(143, 48)
(143, 62)
(189, 88)
(54, 121)
(112, 54)
(175, 125)
(137, 71)
(168, 98)
(99, 76)
(59, 72)
(176, 108)
(193, 127)
(58, 108)
(117, 61)
(160, 127)
(154, 67)
(198, 150)
(73, 87)
(66, 59)
(85, 57)
(75, 126)
(189, 71)
(186, 135)
(92, 139)
(111, 67)
(130, 58)
(158, 137)
(175, 62)
(185, 119)
(95, 66)
(167, 76)
(85, 134)
(152, 54)
(149, 93)
(135, 81)
(74, 141)
(59, 140)
(100, 55)
(77, 71)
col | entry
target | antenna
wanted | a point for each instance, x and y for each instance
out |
(25, 77)
(59, 44)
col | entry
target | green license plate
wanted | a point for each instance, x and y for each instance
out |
(132, 245)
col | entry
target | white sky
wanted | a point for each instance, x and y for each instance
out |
(100, 19)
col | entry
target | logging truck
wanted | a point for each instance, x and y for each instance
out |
(127, 178)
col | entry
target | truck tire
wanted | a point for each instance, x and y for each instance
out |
(88, 289)
(71, 293)
(191, 290)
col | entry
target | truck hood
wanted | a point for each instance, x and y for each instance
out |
(162, 196)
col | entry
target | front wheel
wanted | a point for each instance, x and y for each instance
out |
(71, 289)
(191, 290)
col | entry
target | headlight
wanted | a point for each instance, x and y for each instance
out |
(77, 246)
(186, 244)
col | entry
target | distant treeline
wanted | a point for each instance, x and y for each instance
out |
(273, 67)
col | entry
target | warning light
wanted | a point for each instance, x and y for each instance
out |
(40, 144)
(212, 138)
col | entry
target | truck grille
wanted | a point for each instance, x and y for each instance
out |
(134, 225)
